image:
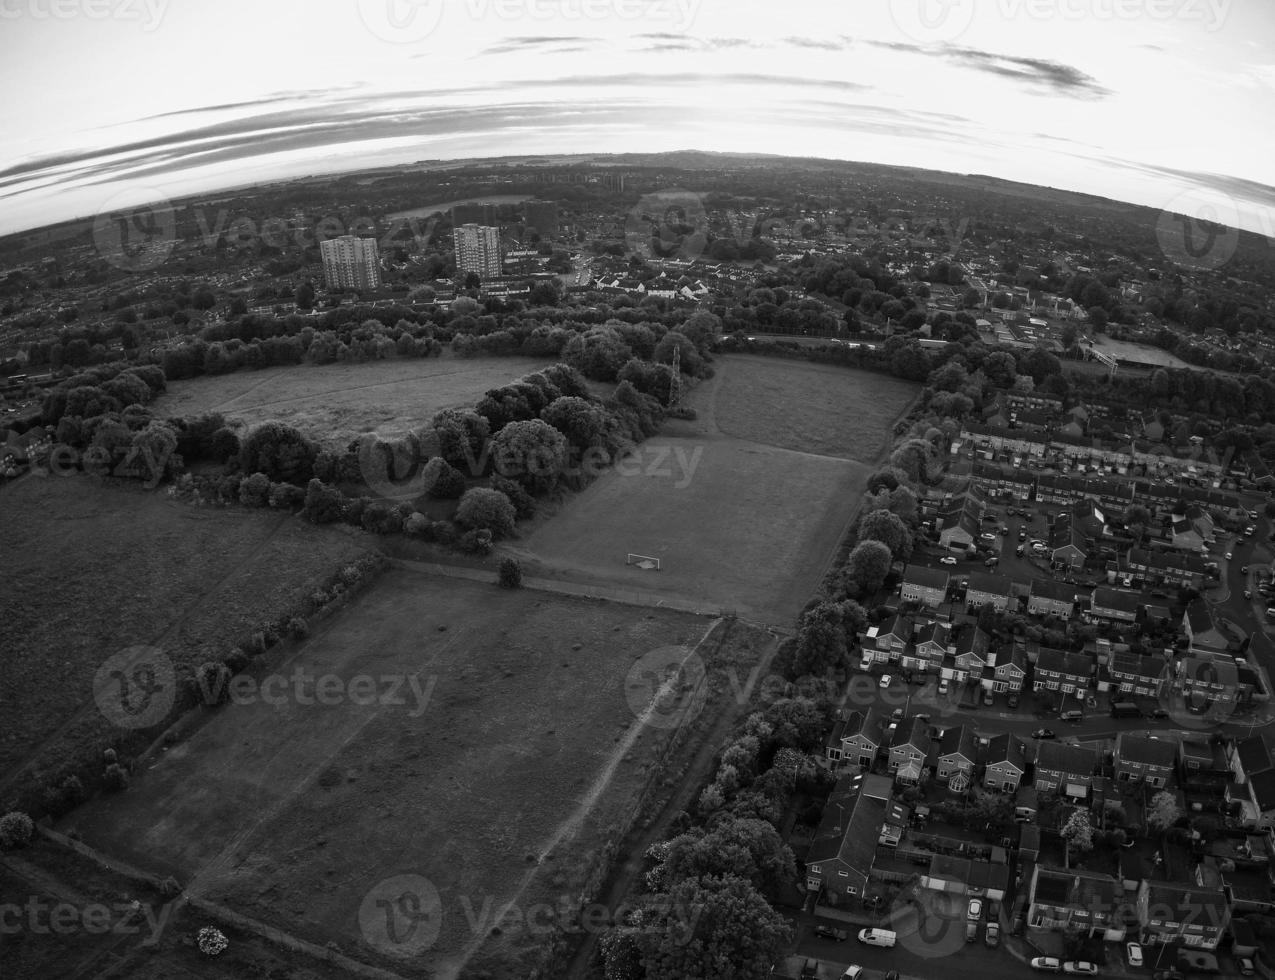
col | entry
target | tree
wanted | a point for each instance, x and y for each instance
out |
(305, 296)
(280, 452)
(1078, 831)
(324, 504)
(582, 422)
(889, 529)
(598, 353)
(822, 640)
(913, 458)
(531, 453)
(484, 508)
(1163, 811)
(748, 849)
(736, 935)
(868, 565)
(796, 722)
(1068, 335)
(510, 573)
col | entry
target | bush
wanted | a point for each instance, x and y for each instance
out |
(280, 452)
(324, 504)
(284, 496)
(254, 491)
(489, 509)
(115, 778)
(444, 481)
(382, 518)
(416, 525)
(212, 683)
(223, 446)
(510, 573)
(475, 542)
(212, 942)
(16, 830)
(65, 796)
(298, 628)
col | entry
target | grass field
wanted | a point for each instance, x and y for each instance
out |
(743, 506)
(498, 792)
(335, 403)
(812, 408)
(91, 570)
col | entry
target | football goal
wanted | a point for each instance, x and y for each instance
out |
(643, 561)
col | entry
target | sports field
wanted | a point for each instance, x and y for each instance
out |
(744, 506)
(493, 753)
(335, 403)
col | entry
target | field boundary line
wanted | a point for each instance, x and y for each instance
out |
(600, 593)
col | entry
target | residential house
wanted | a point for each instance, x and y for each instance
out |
(1186, 536)
(1201, 631)
(1011, 671)
(909, 752)
(1208, 683)
(1180, 913)
(1253, 788)
(1074, 901)
(856, 739)
(1050, 598)
(888, 640)
(989, 589)
(956, 757)
(1070, 674)
(1115, 605)
(1065, 769)
(930, 647)
(840, 857)
(1067, 544)
(1138, 675)
(971, 653)
(1140, 758)
(1004, 763)
(928, 586)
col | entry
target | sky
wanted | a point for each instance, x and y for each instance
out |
(117, 103)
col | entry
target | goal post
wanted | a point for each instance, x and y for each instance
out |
(643, 561)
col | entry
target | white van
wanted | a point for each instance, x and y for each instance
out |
(877, 937)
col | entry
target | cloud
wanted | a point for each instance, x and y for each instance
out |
(809, 42)
(538, 43)
(1034, 72)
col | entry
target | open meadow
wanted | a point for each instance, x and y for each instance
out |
(514, 757)
(93, 570)
(335, 403)
(744, 506)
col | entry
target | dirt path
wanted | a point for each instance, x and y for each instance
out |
(634, 846)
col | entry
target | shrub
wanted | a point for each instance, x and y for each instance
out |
(298, 628)
(212, 942)
(524, 503)
(323, 503)
(212, 682)
(280, 452)
(532, 453)
(475, 542)
(65, 796)
(16, 830)
(115, 778)
(510, 573)
(255, 490)
(416, 525)
(284, 496)
(442, 480)
(169, 888)
(489, 509)
(237, 659)
(224, 445)
(380, 517)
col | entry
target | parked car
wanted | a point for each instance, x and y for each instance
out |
(892, 975)
(1072, 716)
(974, 911)
(1022, 534)
(1229, 556)
(1042, 733)
(810, 969)
(877, 937)
(1246, 966)
(1248, 593)
(1048, 963)
(971, 932)
(1159, 713)
(866, 662)
(1004, 530)
(1012, 700)
(828, 932)
(947, 560)
(988, 536)
(943, 685)
(992, 562)
(852, 972)
(987, 698)
(1243, 569)
(885, 680)
(992, 934)
(1133, 952)
(1081, 968)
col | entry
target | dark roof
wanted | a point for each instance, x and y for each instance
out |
(1065, 662)
(921, 575)
(1116, 599)
(1254, 753)
(1074, 759)
(850, 827)
(1198, 616)
(958, 740)
(1146, 749)
(1049, 589)
(1009, 748)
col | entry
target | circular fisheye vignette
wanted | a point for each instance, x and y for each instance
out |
(135, 230)
(401, 916)
(135, 687)
(667, 687)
